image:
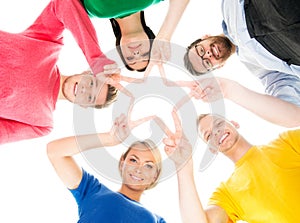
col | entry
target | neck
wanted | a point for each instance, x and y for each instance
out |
(130, 24)
(132, 194)
(62, 80)
(240, 148)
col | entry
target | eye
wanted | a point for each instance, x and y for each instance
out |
(129, 58)
(90, 98)
(132, 160)
(220, 123)
(208, 137)
(149, 166)
(207, 64)
(201, 51)
(92, 83)
(145, 54)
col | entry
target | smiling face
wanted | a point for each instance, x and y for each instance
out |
(140, 167)
(84, 90)
(213, 50)
(219, 134)
(136, 50)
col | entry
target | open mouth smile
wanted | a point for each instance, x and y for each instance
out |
(135, 178)
(223, 138)
(75, 88)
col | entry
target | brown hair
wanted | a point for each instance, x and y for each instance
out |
(112, 93)
(223, 39)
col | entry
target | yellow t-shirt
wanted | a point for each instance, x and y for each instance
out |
(265, 185)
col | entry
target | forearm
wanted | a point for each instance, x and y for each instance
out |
(190, 204)
(265, 106)
(175, 12)
(69, 146)
(74, 17)
(61, 151)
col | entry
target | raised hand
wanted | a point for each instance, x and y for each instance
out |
(177, 146)
(208, 89)
(122, 127)
(160, 51)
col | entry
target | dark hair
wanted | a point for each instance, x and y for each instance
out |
(111, 96)
(117, 31)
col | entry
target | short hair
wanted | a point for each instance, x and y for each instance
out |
(118, 35)
(112, 93)
(187, 63)
(200, 117)
(156, 153)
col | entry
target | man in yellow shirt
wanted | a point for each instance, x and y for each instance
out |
(264, 186)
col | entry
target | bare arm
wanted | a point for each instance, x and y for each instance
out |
(61, 151)
(176, 9)
(265, 106)
(179, 150)
(161, 49)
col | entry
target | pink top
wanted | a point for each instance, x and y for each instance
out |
(29, 77)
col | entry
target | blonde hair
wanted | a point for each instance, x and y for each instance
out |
(154, 150)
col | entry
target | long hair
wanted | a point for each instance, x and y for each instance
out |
(117, 31)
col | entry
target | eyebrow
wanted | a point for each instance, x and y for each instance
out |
(147, 161)
(204, 135)
(96, 86)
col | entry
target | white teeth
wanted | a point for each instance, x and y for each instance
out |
(75, 88)
(223, 138)
(216, 51)
(136, 178)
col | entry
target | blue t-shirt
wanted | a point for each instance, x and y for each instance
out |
(97, 203)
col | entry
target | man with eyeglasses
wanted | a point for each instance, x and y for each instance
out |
(266, 42)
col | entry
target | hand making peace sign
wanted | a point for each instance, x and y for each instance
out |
(177, 146)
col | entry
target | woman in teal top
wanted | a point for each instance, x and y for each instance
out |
(131, 31)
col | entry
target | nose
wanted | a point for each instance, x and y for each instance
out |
(136, 52)
(84, 90)
(208, 53)
(138, 169)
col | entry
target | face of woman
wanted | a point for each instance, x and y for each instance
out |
(136, 50)
(139, 168)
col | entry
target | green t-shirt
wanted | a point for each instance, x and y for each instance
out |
(116, 8)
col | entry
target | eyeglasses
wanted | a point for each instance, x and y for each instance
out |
(201, 52)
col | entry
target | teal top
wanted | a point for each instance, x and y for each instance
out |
(116, 8)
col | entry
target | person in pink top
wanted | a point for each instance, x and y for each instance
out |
(30, 81)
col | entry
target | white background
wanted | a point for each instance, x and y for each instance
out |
(30, 191)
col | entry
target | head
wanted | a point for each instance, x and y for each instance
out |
(140, 166)
(88, 91)
(217, 132)
(134, 49)
(207, 54)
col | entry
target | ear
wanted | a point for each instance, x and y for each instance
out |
(205, 36)
(235, 124)
(121, 164)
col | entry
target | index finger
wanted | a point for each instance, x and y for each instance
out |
(140, 121)
(163, 126)
(177, 123)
